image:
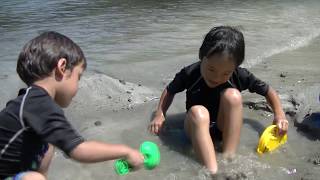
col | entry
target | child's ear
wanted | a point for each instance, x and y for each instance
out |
(61, 67)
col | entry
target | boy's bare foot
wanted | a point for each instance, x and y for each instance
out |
(228, 156)
(213, 171)
(227, 176)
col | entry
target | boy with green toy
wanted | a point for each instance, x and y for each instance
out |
(32, 124)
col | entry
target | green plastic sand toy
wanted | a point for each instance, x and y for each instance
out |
(151, 155)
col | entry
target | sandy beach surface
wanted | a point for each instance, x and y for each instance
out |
(125, 109)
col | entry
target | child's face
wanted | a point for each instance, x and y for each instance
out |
(69, 86)
(217, 69)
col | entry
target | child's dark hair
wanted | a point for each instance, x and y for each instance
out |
(40, 56)
(224, 40)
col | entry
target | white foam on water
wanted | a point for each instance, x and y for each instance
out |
(293, 44)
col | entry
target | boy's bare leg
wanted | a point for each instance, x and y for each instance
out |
(42, 172)
(197, 127)
(33, 176)
(45, 163)
(230, 120)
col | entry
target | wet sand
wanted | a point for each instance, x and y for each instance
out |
(119, 112)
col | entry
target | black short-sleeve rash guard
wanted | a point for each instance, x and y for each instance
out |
(198, 93)
(29, 122)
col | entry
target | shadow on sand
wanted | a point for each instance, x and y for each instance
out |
(310, 126)
(255, 125)
(173, 135)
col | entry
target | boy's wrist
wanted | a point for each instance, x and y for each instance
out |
(160, 113)
(124, 150)
(278, 111)
(279, 114)
(278, 117)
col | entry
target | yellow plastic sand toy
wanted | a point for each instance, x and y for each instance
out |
(270, 140)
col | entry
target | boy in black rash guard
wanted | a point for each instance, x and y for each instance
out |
(32, 124)
(213, 99)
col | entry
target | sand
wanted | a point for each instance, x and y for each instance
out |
(116, 111)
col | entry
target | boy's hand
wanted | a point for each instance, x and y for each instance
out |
(156, 124)
(282, 123)
(135, 158)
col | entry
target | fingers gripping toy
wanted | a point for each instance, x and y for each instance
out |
(151, 155)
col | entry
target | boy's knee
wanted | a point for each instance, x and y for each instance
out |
(33, 176)
(232, 96)
(199, 115)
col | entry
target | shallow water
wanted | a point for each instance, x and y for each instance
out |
(146, 42)
(115, 34)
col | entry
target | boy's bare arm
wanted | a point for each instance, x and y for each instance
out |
(93, 151)
(164, 103)
(279, 115)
